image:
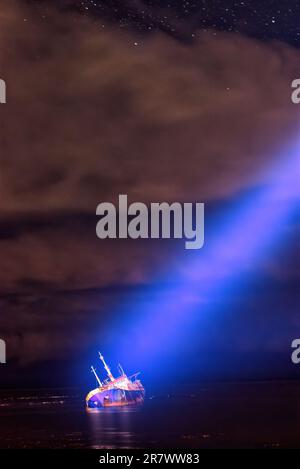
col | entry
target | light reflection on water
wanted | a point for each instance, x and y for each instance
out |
(108, 425)
(265, 414)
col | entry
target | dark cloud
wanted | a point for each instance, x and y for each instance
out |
(92, 113)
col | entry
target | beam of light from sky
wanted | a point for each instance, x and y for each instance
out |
(242, 240)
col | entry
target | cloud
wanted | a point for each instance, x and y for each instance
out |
(93, 115)
(95, 112)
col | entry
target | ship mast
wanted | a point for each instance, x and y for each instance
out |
(106, 367)
(96, 376)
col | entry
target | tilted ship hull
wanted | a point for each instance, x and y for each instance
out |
(113, 398)
(115, 392)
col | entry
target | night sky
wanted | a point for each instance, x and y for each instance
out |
(163, 101)
(183, 19)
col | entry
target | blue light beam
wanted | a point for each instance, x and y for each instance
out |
(240, 242)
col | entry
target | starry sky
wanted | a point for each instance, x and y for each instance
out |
(178, 101)
(264, 19)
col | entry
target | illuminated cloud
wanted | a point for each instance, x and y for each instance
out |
(89, 115)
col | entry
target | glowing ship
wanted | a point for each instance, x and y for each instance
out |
(115, 392)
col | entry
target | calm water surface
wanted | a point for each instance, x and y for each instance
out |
(264, 414)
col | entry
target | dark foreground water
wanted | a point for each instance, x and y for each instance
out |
(253, 414)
